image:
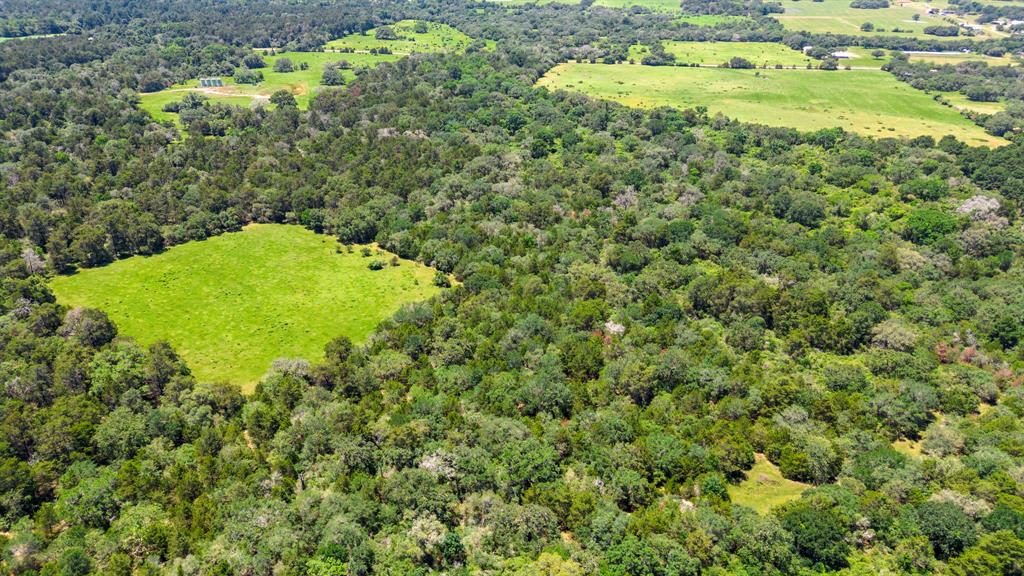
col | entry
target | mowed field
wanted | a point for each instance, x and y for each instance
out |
(234, 303)
(862, 101)
(715, 53)
(959, 57)
(838, 17)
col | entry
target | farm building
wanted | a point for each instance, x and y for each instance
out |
(211, 82)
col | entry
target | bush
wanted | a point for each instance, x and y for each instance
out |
(254, 61)
(283, 65)
(332, 76)
(385, 33)
(740, 62)
(982, 93)
(244, 75)
(376, 265)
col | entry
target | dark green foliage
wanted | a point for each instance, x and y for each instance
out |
(639, 302)
(818, 534)
(926, 225)
(947, 527)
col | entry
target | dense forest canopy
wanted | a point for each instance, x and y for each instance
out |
(646, 304)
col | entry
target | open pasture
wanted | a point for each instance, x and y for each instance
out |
(959, 57)
(715, 53)
(234, 303)
(302, 84)
(838, 17)
(862, 101)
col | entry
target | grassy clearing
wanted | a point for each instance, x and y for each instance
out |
(232, 304)
(29, 37)
(959, 57)
(960, 102)
(437, 38)
(765, 488)
(715, 53)
(303, 84)
(837, 17)
(908, 447)
(862, 101)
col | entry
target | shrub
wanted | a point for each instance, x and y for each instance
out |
(283, 65)
(385, 33)
(740, 62)
(244, 75)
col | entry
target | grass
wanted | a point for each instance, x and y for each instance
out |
(861, 58)
(862, 101)
(837, 17)
(960, 102)
(29, 37)
(438, 38)
(908, 448)
(232, 304)
(715, 53)
(303, 84)
(959, 57)
(765, 488)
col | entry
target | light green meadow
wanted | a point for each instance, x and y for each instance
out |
(232, 304)
(862, 101)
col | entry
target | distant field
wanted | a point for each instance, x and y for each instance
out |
(437, 38)
(960, 102)
(765, 488)
(710, 19)
(232, 304)
(957, 58)
(837, 17)
(715, 53)
(303, 84)
(652, 5)
(862, 101)
(29, 37)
